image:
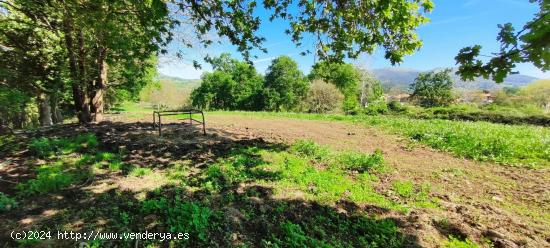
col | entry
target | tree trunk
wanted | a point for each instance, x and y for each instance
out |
(57, 117)
(45, 111)
(98, 104)
(81, 105)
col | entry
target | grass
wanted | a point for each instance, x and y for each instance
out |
(454, 242)
(306, 169)
(140, 172)
(416, 195)
(515, 145)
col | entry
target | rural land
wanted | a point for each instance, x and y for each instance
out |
(101, 147)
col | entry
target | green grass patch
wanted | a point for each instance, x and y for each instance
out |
(361, 162)
(46, 147)
(517, 145)
(413, 194)
(300, 169)
(7, 203)
(454, 242)
(49, 178)
(181, 216)
(140, 172)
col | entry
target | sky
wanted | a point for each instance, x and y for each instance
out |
(454, 24)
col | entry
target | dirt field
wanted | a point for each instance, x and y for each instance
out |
(480, 201)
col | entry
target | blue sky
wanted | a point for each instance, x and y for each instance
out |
(454, 24)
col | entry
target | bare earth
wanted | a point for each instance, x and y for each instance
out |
(510, 206)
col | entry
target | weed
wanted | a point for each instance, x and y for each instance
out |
(419, 195)
(7, 203)
(44, 147)
(49, 178)
(139, 172)
(181, 216)
(457, 243)
(404, 189)
(310, 149)
(363, 162)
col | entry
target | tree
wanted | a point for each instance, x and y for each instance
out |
(284, 84)
(538, 93)
(90, 37)
(433, 88)
(101, 40)
(371, 88)
(323, 98)
(344, 76)
(529, 45)
(233, 85)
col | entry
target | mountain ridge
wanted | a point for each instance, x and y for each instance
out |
(401, 78)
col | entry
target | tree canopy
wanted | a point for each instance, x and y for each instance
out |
(433, 88)
(529, 45)
(285, 85)
(232, 85)
(81, 55)
(344, 76)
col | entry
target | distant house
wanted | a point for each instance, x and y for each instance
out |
(402, 98)
(487, 97)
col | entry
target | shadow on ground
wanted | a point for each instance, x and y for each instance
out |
(216, 210)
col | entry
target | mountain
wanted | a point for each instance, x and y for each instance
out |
(400, 79)
(180, 83)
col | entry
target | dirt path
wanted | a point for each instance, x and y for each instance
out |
(507, 205)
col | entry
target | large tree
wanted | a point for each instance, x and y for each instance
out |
(433, 88)
(92, 36)
(531, 44)
(233, 85)
(344, 76)
(284, 85)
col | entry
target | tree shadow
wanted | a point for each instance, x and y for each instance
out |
(217, 207)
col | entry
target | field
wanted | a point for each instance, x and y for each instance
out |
(282, 180)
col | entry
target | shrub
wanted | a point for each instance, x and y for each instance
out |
(6, 203)
(49, 178)
(375, 108)
(42, 147)
(396, 106)
(310, 149)
(323, 98)
(362, 162)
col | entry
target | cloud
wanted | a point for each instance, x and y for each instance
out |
(273, 57)
(180, 69)
(450, 20)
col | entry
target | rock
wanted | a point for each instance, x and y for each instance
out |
(497, 198)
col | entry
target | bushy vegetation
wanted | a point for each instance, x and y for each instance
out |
(433, 88)
(45, 147)
(363, 162)
(323, 98)
(344, 76)
(232, 85)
